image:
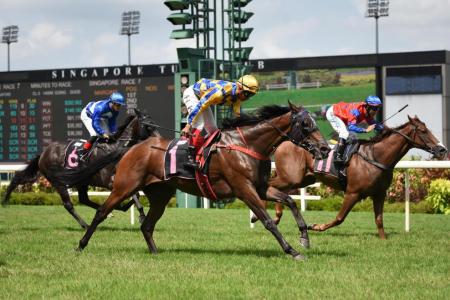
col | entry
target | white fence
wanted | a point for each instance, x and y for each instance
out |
(11, 168)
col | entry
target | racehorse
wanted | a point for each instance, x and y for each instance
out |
(52, 160)
(240, 167)
(369, 171)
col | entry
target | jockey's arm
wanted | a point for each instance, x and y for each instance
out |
(355, 128)
(214, 96)
(112, 124)
(96, 124)
(378, 127)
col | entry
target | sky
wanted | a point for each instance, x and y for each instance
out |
(85, 33)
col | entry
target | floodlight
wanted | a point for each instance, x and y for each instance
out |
(376, 9)
(10, 34)
(130, 26)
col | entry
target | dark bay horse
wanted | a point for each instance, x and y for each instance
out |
(51, 162)
(240, 173)
(369, 172)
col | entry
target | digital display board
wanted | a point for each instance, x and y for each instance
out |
(39, 107)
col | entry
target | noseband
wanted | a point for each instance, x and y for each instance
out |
(297, 135)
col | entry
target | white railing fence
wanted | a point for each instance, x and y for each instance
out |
(9, 169)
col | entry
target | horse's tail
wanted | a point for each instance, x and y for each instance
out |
(82, 175)
(27, 175)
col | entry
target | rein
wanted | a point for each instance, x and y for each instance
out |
(408, 139)
(245, 149)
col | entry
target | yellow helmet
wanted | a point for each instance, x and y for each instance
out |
(249, 83)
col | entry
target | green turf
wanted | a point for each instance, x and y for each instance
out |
(213, 254)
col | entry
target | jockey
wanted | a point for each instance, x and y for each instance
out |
(199, 97)
(100, 118)
(345, 117)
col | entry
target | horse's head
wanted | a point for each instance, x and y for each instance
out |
(144, 126)
(305, 133)
(422, 138)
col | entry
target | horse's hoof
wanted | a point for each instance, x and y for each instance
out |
(311, 226)
(305, 243)
(78, 249)
(254, 219)
(299, 257)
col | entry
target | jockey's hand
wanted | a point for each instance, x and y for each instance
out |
(186, 130)
(105, 136)
(370, 128)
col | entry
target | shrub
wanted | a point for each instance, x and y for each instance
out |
(439, 196)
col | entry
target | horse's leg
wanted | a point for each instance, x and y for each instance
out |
(275, 195)
(68, 205)
(378, 204)
(139, 207)
(118, 194)
(248, 194)
(83, 197)
(350, 200)
(158, 197)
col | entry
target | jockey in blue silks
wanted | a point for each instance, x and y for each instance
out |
(99, 117)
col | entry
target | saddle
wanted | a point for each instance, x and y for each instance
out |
(329, 167)
(177, 154)
(72, 154)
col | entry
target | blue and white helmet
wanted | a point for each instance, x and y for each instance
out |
(118, 98)
(373, 101)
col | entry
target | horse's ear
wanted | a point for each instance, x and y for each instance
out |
(409, 118)
(137, 112)
(292, 106)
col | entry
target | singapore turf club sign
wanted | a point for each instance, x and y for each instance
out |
(113, 72)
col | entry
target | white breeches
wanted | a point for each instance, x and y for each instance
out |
(206, 119)
(337, 124)
(88, 124)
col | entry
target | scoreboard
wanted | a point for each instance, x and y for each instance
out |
(39, 107)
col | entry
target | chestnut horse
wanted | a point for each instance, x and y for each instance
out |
(369, 172)
(50, 163)
(240, 167)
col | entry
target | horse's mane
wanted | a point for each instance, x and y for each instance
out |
(382, 135)
(123, 126)
(264, 113)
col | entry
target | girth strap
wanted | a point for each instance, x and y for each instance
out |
(373, 162)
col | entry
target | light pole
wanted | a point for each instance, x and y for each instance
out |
(10, 35)
(130, 25)
(376, 9)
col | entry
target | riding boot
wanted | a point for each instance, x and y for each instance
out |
(87, 147)
(191, 163)
(340, 147)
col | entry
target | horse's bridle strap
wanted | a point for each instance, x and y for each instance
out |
(245, 150)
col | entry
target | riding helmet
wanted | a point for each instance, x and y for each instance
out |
(373, 101)
(249, 83)
(117, 98)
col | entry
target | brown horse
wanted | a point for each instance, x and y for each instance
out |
(237, 169)
(369, 172)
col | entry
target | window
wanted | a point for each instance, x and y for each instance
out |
(414, 80)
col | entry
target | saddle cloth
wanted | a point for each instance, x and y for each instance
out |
(175, 157)
(177, 154)
(71, 154)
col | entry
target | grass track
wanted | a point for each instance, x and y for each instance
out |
(213, 254)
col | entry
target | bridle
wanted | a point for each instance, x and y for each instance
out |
(422, 136)
(411, 142)
(298, 135)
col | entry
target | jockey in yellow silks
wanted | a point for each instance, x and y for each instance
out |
(206, 92)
